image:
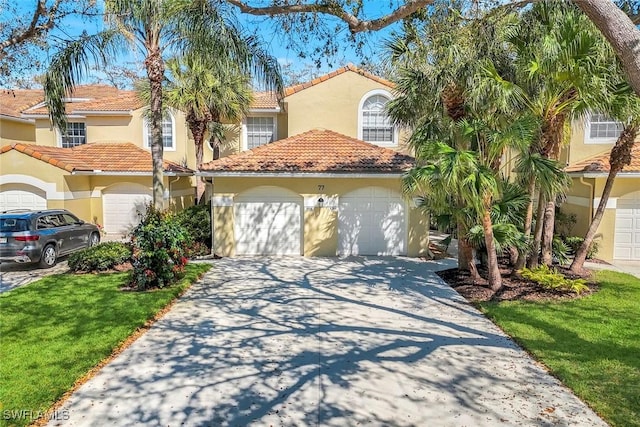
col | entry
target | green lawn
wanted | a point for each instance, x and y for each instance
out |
(53, 331)
(591, 344)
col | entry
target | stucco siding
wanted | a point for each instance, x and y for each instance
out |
(13, 131)
(320, 226)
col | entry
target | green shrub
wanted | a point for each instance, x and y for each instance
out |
(574, 242)
(560, 250)
(551, 279)
(159, 245)
(197, 221)
(100, 257)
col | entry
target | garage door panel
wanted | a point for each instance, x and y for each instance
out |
(22, 197)
(124, 206)
(627, 230)
(265, 225)
(371, 221)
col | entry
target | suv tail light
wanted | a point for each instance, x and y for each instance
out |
(27, 238)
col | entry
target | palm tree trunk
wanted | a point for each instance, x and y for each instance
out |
(619, 158)
(528, 219)
(547, 234)
(537, 235)
(155, 71)
(198, 126)
(465, 253)
(494, 277)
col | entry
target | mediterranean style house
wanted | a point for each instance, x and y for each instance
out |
(317, 173)
(587, 157)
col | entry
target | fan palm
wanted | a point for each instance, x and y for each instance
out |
(155, 28)
(561, 63)
(209, 93)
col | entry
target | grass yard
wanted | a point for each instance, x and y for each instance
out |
(591, 344)
(53, 331)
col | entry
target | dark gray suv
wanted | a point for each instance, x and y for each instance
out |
(43, 236)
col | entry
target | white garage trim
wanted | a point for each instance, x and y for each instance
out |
(372, 221)
(627, 229)
(49, 188)
(123, 205)
(268, 220)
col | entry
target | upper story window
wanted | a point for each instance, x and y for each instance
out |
(75, 135)
(374, 125)
(259, 131)
(602, 129)
(168, 132)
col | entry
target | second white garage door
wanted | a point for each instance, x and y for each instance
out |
(268, 222)
(627, 235)
(372, 221)
(123, 205)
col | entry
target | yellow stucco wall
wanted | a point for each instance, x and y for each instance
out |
(581, 149)
(15, 131)
(578, 203)
(320, 224)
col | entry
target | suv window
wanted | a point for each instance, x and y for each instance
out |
(49, 221)
(69, 219)
(13, 225)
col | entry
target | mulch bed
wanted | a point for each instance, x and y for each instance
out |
(514, 287)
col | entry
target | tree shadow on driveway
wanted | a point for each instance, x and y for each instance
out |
(324, 341)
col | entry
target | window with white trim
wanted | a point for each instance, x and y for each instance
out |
(260, 131)
(75, 135)
(603, 128)
(168, 132)
(375, 124)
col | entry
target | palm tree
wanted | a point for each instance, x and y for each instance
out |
(561, 61)
(209, 93)
(156, 28)
(437, 61)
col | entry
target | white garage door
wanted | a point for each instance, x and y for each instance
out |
(267, 222)
(627, 236)
(18, 196)
(123, 205)
(371, 221)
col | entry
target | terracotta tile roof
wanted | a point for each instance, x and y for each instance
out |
(97, 98)
(600, 163)
(13, 101)
(104, 156)
(316, 151)
(349, 67)
(265, 101)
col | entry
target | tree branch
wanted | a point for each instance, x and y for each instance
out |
(34, 29)
(356, 25)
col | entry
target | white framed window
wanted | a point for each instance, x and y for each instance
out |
(374, 124)
(259, 130)
(75, 135)
(601, 129)
(168, 132)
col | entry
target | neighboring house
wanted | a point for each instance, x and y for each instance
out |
(100, 168)
(319, 189)
(587, 158)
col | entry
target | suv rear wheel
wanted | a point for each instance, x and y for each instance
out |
(94, 239)
(49, 256)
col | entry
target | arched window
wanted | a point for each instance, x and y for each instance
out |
(168, 132)
(374, 123)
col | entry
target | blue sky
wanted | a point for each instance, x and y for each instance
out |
(275, 40)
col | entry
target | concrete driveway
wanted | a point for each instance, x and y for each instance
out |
(324, 342)
(14, 275)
